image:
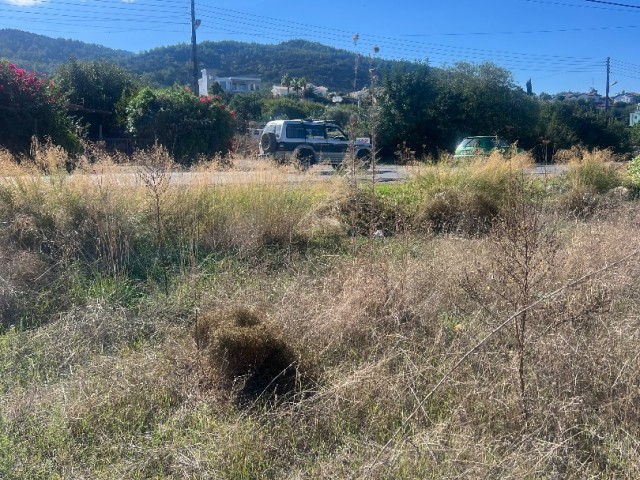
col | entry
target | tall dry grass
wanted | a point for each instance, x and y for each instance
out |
(408, 356)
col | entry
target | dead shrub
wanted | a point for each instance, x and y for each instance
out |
(457, 211)
(49, 158)
(21, 274)
(364, 213)
(242, 348)
(581, 202)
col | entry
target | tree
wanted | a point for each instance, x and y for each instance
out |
(299, 85)
(285, 81)
(247, 107)
(578, 123)
(406, 113)
(486, 101)
(290, 108)
(185, 125)
(97, 91)
(31, 106)
(215, 89)
(428, 109)
(634, 136)
(529, 87)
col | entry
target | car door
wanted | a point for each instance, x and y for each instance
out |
(315, 137)
(337, 143)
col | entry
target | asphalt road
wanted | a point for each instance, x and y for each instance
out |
(252, 171)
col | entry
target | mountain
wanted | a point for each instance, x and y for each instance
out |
(164, 66)
(319, 64)
(43, 54)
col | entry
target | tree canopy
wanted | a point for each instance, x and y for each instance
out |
(97, 92)
(185, 125)
(32, 107)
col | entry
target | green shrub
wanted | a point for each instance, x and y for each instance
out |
(186, 125)
(634, 172)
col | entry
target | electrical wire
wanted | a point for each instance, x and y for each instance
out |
(164, 15)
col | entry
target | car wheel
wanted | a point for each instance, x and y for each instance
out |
(268, 142)
(364, 156)
(304, 158)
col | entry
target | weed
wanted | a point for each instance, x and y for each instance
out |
(240, 345)
(409, 358)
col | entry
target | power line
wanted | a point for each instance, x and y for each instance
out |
(165, 15)
(573, 5)
(614, 4)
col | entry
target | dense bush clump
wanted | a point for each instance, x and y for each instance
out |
(242, 347)
(187, 126)
(31, 106)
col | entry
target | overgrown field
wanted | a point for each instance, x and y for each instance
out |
(473, 322)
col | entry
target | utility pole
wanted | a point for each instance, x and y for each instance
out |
(194, 49)
(606, 93)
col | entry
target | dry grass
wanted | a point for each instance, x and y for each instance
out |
(416, 356)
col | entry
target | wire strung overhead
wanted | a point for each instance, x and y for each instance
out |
(172, 16)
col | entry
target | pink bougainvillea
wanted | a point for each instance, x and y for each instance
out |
(17, 84)
(30, 106)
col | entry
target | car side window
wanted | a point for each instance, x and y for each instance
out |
(295, 130)
(315, 132)
(334, 133)
(487, 143)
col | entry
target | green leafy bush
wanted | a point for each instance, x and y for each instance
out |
(634, 171)
(184, 124)
(31, 107)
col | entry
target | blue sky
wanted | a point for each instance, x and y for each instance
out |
(562, 45)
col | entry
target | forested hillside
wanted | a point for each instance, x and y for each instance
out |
(165, 66)
(43, 54)
(319, 64)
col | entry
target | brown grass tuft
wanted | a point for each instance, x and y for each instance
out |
(241, 346)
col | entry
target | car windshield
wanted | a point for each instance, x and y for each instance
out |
(469, 142)
(486, 143)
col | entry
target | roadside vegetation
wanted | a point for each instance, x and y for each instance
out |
(471, 322)
(420, 113)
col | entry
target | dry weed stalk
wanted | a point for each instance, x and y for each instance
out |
(155, 175)
(523, 258)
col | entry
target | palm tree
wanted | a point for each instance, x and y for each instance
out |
(303, 86)
(296, 84)
(286, 81)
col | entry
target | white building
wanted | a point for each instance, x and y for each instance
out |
(228, 84)
(626, 98)
(280, 91)
(634, 117)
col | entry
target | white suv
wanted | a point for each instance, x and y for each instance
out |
(310, 142)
